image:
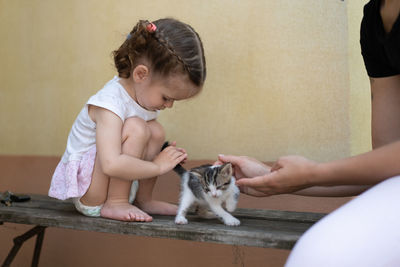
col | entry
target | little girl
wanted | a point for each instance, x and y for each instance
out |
(116, 139)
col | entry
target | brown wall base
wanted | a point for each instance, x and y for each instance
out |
(61, 247)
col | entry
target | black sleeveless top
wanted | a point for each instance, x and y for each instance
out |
(381, 51)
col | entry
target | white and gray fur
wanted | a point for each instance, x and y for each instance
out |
(212, 189)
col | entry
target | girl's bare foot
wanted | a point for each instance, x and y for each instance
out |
(124, 211)
(157, 207)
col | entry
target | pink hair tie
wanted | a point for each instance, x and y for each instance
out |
(151, 27)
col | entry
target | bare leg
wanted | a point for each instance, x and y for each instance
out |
(144, 198)
(97, 191)
(135, 138)
(363, 232)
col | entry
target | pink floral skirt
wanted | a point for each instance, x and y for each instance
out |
(73, 178)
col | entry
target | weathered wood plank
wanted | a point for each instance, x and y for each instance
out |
(260, 228)
(45, 202)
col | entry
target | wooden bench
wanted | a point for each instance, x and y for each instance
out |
(259, 228)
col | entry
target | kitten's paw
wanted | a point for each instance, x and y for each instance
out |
(180, 220)
(232, 221)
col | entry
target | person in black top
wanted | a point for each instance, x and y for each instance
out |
(380, 41)
(380, 46)
(365, 231)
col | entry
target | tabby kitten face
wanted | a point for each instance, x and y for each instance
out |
(214, 179)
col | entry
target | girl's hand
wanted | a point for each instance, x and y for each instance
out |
(288, 174)
(169, 158)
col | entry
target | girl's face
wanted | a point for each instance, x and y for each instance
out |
(158, 93)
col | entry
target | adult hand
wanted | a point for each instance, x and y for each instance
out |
(288, 174)
(245, 167)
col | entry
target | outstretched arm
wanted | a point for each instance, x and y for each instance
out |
(250, 167)
(332, 191)
(293, 173)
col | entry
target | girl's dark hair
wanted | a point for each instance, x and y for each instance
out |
(173, 47)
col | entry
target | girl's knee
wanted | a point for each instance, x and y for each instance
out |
(137, 128)
(349, 237)
(157, 131)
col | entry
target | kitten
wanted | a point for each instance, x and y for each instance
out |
(210, 188)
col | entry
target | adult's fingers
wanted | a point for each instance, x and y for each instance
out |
(276, 166)
(259, 181)
(251, 191)
(229, 158)
(218, 162)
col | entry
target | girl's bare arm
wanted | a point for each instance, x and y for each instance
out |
(115, 163)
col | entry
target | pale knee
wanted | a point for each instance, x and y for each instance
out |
(333, 241)
(137, 128)
(309, 251)
(157, 132)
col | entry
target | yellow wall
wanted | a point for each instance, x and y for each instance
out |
(283, 76)
(360, 96)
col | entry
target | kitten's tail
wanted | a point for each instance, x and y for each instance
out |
(178, 168)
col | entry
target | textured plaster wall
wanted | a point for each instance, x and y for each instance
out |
(360, 94)
(279, 74)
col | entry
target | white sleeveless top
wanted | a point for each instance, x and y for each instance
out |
(112, 97)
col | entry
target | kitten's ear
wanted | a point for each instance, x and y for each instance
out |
(226, 169)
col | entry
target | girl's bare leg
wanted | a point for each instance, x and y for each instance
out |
(135, 139)
(144, 198)
(97, 191)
